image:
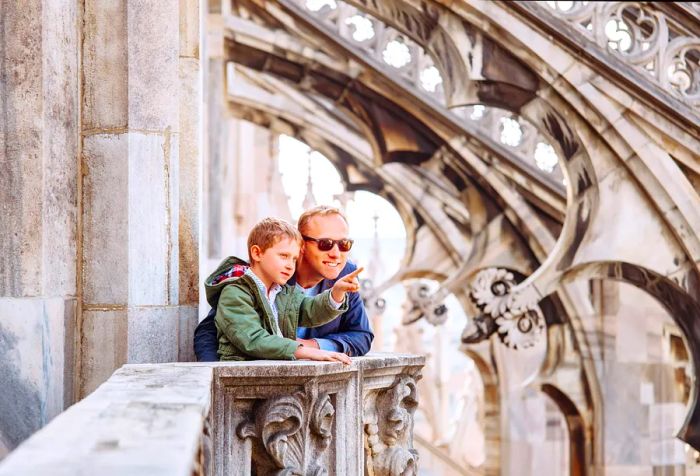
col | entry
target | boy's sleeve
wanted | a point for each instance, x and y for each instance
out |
(317, 310)
(238, 320)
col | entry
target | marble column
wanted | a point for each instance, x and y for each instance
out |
(39, 144)
(139, 192)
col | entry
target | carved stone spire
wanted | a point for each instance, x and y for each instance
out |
(309, 199)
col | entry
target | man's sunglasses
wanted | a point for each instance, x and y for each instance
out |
(326, 244)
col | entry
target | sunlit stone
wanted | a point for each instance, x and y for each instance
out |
(396, 54)
(511, 133)
(561, 6)
(363, 29)
(430, 78)
(477, 112)
(618, 35)
(545, 157)
(316, 5)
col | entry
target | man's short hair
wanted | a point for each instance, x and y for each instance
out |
(320, 210)
(269, 231)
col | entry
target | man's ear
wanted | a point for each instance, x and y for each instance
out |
(255, 253)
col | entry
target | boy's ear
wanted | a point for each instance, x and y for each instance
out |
(255, 253)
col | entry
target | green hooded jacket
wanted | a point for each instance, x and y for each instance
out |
(244, 320)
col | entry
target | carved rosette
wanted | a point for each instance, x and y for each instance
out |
(517, 317)
(424, 304)
(290, 433)
(388, 423)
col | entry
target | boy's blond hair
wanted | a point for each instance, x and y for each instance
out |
(320, 210)
(268, 232)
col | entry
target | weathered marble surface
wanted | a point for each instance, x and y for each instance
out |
(145, 420)
(39, 144)
(93, 98)
(224, 418)
(36, 364)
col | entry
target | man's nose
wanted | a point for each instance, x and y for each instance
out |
(335, 251)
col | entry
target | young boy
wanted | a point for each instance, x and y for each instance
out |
(258, 313)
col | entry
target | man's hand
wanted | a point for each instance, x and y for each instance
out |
(309, 343)
(346, 284)
(304, 352)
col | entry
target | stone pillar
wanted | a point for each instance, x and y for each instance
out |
(39, 133)
(190, 173)
(215, 130)
(139, 121)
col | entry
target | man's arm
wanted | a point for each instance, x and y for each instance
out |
(205, 341)
(354, 334)
(319, 309)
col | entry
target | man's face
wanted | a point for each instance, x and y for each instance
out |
(330, 263)
(277, 263)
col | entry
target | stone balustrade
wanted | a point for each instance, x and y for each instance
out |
(302, 417)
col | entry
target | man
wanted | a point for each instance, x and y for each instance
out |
(323, 260)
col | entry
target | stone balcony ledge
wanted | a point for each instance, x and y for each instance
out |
(228, 418)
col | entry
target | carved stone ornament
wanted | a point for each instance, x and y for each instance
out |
(424, 304)
(388, 423)
(374, 304)
(643, 36)
(290, 433)
(518, 318)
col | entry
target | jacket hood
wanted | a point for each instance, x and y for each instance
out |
(228, 271)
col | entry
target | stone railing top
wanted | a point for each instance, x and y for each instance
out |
(149, 419)
(145, 420)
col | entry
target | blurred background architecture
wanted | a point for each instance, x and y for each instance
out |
(522, 180)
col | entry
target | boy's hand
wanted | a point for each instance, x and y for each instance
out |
(346, 284)
(304, 352)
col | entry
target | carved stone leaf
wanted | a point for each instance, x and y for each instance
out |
(282, 421)
(388, 421)
(322, 419)
(292, 432)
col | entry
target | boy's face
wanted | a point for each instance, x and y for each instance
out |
(327, 264)
(277, 263)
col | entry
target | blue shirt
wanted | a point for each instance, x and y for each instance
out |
(305, 332)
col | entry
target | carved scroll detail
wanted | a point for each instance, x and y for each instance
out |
(291, 433)
(515, 315)
(388, 423)
(424, 304)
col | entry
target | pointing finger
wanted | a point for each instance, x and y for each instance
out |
(349, 276)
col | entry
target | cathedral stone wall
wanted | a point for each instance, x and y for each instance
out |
(100, 170)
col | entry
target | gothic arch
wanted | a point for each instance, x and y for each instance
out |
(681, 306)
(579, 444)
(599, 145)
